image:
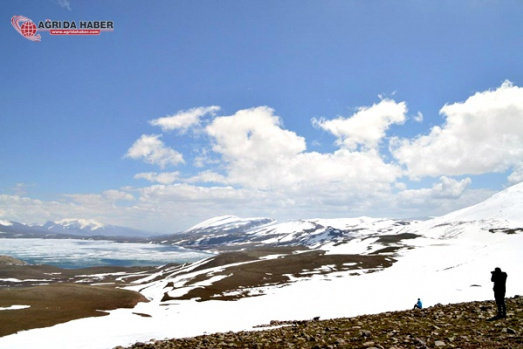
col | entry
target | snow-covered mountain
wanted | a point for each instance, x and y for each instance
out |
(217, 231)
(67, 228)
(231, 232)
(10, 229)
(504, 210)
(77, 224)
(502, 213)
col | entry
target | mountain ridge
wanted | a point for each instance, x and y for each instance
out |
(70, 228)
(501, 211)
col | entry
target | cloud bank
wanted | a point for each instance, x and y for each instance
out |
(249, 164)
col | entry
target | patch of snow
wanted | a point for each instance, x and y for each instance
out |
(5, 223)
(15, 307)
(216, 221)
(24, 280)
(273, 256)
(183, 290)
(227, 220)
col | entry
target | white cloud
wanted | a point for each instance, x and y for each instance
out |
(367, 127)
(445, 195)
(259, 153)
(418, 117)
(445, 188)
(186, 192)
(253, 145)
(65, 4)
(184, 119)
(182, 205)
(254, 134)
(162, 178)
(204, 157)
(449, 187)
(97, 202)
(117, 195)
(22, 209)
(153, 151)
(481, 135)
(207, 177)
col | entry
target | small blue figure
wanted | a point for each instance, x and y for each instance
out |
(418, 304)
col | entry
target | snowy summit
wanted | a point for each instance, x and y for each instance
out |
(79, 223)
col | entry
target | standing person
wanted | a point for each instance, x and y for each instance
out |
(499, 278)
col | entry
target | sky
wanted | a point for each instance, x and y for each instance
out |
(288, 109)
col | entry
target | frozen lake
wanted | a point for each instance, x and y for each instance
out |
(72, 253)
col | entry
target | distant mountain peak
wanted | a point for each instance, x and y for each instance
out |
(80, 223)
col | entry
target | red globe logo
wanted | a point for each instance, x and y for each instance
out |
(28, 29)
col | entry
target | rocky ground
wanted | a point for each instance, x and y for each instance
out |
(464, 325)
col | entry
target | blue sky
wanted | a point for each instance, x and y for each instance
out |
(285, 109)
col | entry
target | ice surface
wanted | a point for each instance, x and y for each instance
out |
(72, 253)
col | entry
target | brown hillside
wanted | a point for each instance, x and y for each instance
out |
(53, 304)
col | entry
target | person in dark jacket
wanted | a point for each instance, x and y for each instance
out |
(499, 278)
